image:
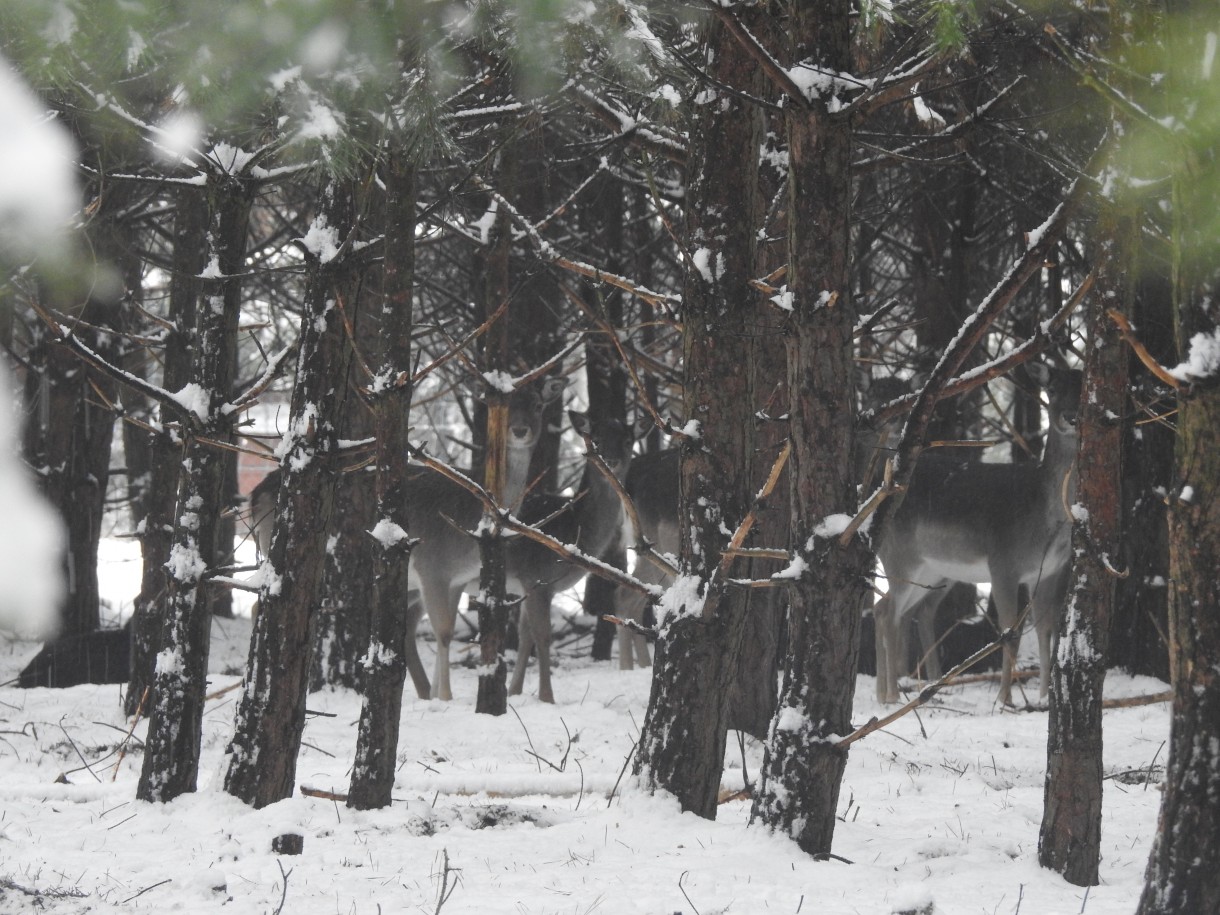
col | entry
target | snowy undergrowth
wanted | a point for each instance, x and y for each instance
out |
(942, 809)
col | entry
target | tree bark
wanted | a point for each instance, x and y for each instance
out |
(803, 768)
(384, 665)
(682, 741)
(166, 460)
(607, 382)
(179, 680)
(1070, 837)
(1138, 637)
(68, 437)
(271, 713)
(491, 604)
(1182, 875)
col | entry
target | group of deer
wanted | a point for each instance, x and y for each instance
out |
(960, 521)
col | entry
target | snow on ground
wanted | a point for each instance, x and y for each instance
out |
(940, 810)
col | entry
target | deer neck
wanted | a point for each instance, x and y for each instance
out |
(598, 513)
(517, 476)
(1058, 467)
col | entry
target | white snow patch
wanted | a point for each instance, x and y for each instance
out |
(1202, 357)
(194, 399)
(388, 533)
(831, 526)
(322, 239)
(500, 381)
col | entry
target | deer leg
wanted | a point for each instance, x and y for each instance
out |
(538, 605)
(632, 646)
(525, 647)
(925, 625)
(626, 602)
(885, 638)
(1007, 593)
(1051, 596)
(642, 657)
(410, 650)
(441, 603)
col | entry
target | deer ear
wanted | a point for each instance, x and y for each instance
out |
(1039, 372)
(552, 387)
(580, 422)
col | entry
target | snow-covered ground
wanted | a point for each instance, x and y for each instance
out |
(527, 814)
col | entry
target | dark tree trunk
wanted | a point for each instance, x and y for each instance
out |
(179, 680)
(803, 767)
(491, 604)
(68, 435)
(607, 384)
(342, 633)
(1138, 638)
(537, 301)
(271, 713)
(1070, 838)
(166, 456)
(1182, 875)
(385, 667)
(682, 742)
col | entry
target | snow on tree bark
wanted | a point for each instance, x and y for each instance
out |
(1070, 837)
(156, 535)
(385, 667)
(1182, 875)
(491, 603)
(803, 769)
(178, 682)
(271, 712)
(682, 741)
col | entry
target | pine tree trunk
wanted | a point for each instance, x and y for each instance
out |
(1070, 838)
(803, 767)
(271, 713)
(682, 741)
(68, 438)
(1182, 876)
(491, 604)
(179, 680)
(384, 665)
(166, 456)
(607, 384)
(1138, 637)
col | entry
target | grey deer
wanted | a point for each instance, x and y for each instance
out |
(526, 406)
(445, 560)
(593, 525)
(652, 483)
(968, 521)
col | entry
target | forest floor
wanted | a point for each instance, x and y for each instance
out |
(531, 813)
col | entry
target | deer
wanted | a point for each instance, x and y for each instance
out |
(652, 483)
(526, 406)
(445, 559)
(593, 525)
(968, 521)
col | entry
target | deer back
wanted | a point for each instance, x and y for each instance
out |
(966, 520)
